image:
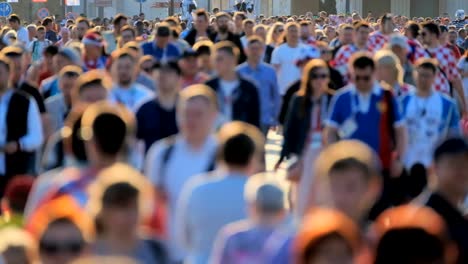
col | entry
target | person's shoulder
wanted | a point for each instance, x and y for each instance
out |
(54, 101)
(345, 91)
(236, 229)
(144, 106)
(267, 67)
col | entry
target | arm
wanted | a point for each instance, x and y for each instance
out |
(331, 135)
(275, 97)
(34, 136)
(333, 122)
(401, 140)
(458, 87)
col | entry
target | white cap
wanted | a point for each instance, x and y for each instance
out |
(398, 40)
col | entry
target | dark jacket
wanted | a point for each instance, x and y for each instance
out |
(268, 52)
(297, 125)
(234, 39)
(191, 37)
(246, 102)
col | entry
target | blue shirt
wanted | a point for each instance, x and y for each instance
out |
(348, 106)
(171, 52)
(264, 77)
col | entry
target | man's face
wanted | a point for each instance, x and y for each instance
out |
(349, 191)
(452, 172)
(124, 71)
(331, 33)
(162, 41)
(364, 79)
(261, 32)
(189, 65)
(122, 23)
(32, 32)
(238, 21)
(66, 85)
(223, 24)
(347, 36)
(167, 80)
(255, 51)
(362, 35)
(305, 32)
(427, 37)
(201, 23)
(462, 34)
(126, 36)
(82, 27)
(41, 34)
(452, 37)
(292, 34)
(248, 29)
(224, 62)
(59, 62)
(93, 94)
(388, 25)
(14, 25)
(424, 78)
(196, 118)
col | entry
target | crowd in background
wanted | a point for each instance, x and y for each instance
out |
(129, 140)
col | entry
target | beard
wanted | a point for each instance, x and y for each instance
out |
(223, 29)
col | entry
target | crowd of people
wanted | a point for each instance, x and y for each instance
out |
(134, 141)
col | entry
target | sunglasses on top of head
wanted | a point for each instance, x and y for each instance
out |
(57, 247)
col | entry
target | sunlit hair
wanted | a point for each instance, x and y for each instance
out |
(271, 31)
(116, 174)
(318, 225)
(388, 59)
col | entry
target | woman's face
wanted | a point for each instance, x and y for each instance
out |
(319, 79)
(385, 73)
(61, 243)
(332, 250)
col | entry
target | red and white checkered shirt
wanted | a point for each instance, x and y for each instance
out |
(416, 51)
(377, 41)
(342, 58)
(448, 64)
(311, 41)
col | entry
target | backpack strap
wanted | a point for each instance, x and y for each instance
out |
(166, 156)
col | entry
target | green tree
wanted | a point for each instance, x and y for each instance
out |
(328, 6)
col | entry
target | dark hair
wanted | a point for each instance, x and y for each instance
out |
(362, 61)
(202, 12)
(228, 47)
(409, 245)
(119, 195)
(385, 18)
(118, 18)
(62, 221)
(351, 163)
(109, 143)
(413, 28)
(238, 150)
(432, 28)
(450, 147)
(6, 62)
(255, 39)
(83, 20)
(429, 64)
(241, 14)
(14, 18)
(47, 21)
(41, 28)
(51, 50)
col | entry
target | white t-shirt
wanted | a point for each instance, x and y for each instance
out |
(23, 36)
(131, 97)
(175, 176)
(227, 90)
(286, 57)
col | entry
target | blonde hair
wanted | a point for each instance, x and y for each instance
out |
(389, 59)
(271, 31)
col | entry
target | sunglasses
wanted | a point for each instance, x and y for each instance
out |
(56, 247)
(365, 78)
(319, 76)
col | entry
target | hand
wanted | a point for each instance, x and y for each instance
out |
(11, 147)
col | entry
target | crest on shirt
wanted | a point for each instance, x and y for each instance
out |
(382, 106)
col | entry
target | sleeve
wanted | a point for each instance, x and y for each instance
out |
(276, 56)
(290, 125)
(335, 115)
(397, 113)
(34, 136)
(256, 112)
(220, 253)
(152, 162)
(183, 213)
(461, 63)
(39, 100)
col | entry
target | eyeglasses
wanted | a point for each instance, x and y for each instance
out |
(319, 76)
(364, 78)
(56, 247)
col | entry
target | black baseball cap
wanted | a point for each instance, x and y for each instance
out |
(451, 146)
